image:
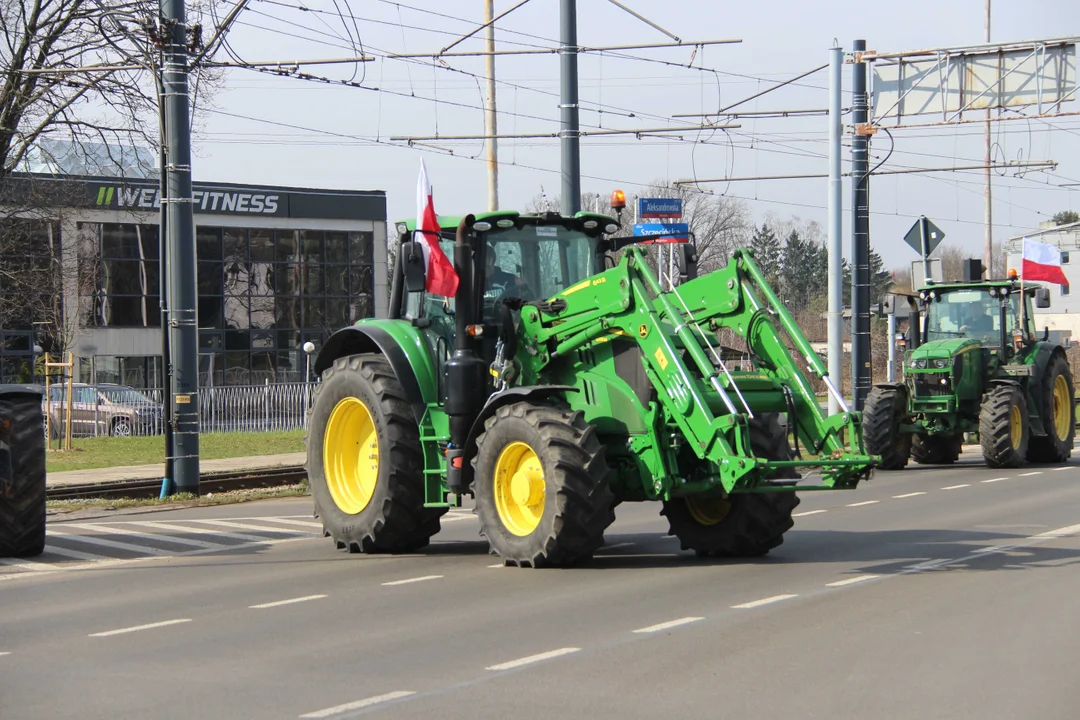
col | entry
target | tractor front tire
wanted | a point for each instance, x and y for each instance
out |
(1004, 429)
(1057, 414)
(743, 524)
(22, 511)
(884, 411)
(541, 486)
(364, 460)
(936, 449)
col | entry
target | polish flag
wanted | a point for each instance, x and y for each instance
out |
(441, 279)
(1042, 262)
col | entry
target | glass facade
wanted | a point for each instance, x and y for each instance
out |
(261, 294)
(30, 294)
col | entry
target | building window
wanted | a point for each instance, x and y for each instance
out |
(260, 293)
(1064, 289)
(1064, 258)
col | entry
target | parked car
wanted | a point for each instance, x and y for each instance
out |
(104, 409)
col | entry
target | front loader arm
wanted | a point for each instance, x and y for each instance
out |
(698, 393)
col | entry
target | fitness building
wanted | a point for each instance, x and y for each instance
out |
(277, 267)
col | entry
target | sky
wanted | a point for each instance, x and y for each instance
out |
(264, 129)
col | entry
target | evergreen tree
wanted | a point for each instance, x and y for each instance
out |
(880, 279)
(768, 253)
(805, 270)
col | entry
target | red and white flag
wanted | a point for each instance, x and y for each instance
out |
(441, 279)
(1042, 262)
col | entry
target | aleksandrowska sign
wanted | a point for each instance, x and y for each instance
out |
(206, 200)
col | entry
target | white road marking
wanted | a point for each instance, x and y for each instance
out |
(31, 565)
(864, 502)
(161, 525)
(1060, 532)
(248, 526)
(114, 544)
(1037, 472)
(4, 653)
(930, 564)
(533, 659)
(454, 517)
(995, 480)
(616, 545)
(956, 487)
(669, 624)
(413, 580)
(763, 601)
(497, 565)
(75, 554)
(149, 536)
(808, 512)
(299, 523)
(1067, 467)
(290, 601)
(851, 580)
(137, 628)
(367, 702)
(907, 495)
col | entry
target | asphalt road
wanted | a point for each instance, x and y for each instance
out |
(930, 593)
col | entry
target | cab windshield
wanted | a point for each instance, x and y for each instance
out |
(533, 262)
(970, 314)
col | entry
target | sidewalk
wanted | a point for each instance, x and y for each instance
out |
(155, 472)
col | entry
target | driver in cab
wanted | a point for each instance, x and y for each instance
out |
(977, 323)
(500, 282)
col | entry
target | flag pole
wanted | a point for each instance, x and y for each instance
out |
(1023, 301)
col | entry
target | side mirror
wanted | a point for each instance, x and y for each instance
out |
(1042, 297)
(687, 260)
(411, 257)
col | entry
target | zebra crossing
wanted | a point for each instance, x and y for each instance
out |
(85, 545)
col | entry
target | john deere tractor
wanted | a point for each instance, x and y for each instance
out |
(562, 380)
(975, 366)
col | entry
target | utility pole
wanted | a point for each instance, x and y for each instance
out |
(491, 123)
(860, 231)
(568, 134)
(180, 249)
(163, 289)
(836, 227)
(988, 218)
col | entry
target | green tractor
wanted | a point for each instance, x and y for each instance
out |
(560, 381)
(975, 366)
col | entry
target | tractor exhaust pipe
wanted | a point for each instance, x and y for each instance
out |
(465, 374)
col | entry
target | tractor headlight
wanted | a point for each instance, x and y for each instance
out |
(941, 363)
(481, 226)
(919, 363)
(402, 228)
(610, 228)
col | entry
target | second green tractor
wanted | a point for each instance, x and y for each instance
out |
(975, 366)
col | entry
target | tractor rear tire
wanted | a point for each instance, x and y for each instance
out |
(1057, 414)
(885, 409)
(541, 486)
(22, 511)
(743, 524)
(369, 507)
(936, 449)
(1004, 429)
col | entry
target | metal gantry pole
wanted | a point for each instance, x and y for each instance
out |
(568, 106)
(836, 227)
(860, 232)
(491, 122)
(180, 245)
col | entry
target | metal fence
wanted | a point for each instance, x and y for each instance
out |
(96, 411)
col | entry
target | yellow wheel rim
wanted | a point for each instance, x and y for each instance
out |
(351, 455)
(1016, 427)
(520, 489)
(708, 511)
(1062, 407)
